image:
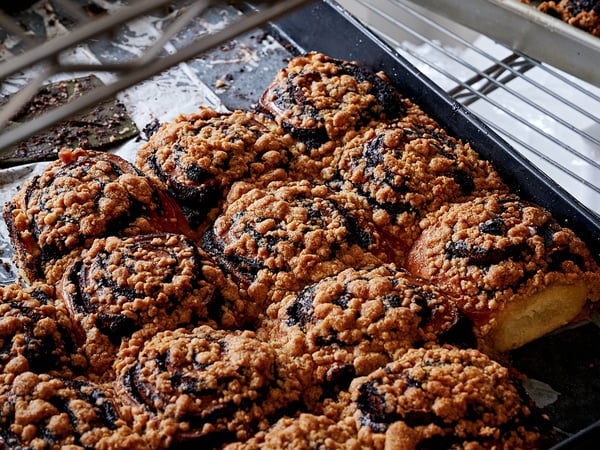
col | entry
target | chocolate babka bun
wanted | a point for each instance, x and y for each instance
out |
(121, 285)
(584, 14)
(445, 397)
(303, 432)
(42, 411)
(513, 269)
(35, 335)
(318, 100)
(354, 322)
(82, 196)
(203, 387)
(198, 156)
(409, 168)
(286, 235)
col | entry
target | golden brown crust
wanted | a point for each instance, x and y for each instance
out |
(204, 385)
(197, 157)
(279, 238)
(445, 397)
(82, 196)
(41, 411)
(359, 320)
(497, 251)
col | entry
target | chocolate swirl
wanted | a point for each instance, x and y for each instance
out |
(60, 413)
(121, 285)
(317, 98)
(359, 320)
(407, 169)
(220, 385)
(80, 197)
(198, 156)
(500, 247)
(34, 334)
(445, 397)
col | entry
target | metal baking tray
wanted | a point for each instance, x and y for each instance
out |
(562, 379)
(527, 30)
(563, 369)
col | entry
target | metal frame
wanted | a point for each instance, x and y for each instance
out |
(493, 86)
(47, 55)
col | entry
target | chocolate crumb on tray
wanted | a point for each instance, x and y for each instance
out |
(104, 126)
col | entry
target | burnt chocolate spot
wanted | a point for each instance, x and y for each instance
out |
(493, 226)
(464, 180)
(372, 151)
(196, 173)
(300, 312)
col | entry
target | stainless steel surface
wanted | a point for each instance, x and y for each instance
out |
(549, 115)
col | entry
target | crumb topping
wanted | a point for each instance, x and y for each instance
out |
(582, 14)
(198, 156)
(120, 285)
(328, 97)
(360, 320)
(35, 335)
(41, 411)
(82, 196)
(486, 251)
(304, 432)
(195, 384)
(289, 234)
(448, 396)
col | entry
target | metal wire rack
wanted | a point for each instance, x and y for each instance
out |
(552, 117)
(549, 115)
(46, 55)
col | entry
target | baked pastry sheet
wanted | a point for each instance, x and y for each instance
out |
(563, 369)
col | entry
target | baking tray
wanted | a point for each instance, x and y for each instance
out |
(562, 379)
(525, 29)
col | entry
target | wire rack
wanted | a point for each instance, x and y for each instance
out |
(45, 54)
(549, 115)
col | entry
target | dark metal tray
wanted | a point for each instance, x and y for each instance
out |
(563, 369)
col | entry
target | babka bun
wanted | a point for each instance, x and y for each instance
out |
(359, 320)
(513, 269)
(197, 157)
(203, 386)
(445, 397)
(82, 196)
(45, 411)
(279, 238)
